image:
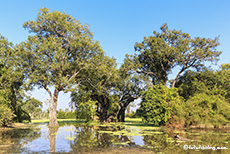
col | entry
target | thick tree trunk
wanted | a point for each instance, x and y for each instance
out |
(103, 116)
(53, 110)
(121, 115)
(123, 107)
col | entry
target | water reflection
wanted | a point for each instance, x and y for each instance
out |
(85, 138)
(14, 140)
(89, 139)
(52, 138)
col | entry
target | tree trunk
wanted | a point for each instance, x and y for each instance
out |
(174, 81)
(121, 115)
(123, 107)
(103, 115)
(53, 110)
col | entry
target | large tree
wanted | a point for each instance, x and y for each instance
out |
(56, 55)
(129, 87)
(160, 53)
(100, 87)
(112, 89)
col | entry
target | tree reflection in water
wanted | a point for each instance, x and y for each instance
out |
(52, 138)
(85, 138)
(89, 139)
(14, 140)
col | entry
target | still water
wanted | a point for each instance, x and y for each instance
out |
(111, 138)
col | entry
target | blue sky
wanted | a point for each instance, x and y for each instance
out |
(117, 25)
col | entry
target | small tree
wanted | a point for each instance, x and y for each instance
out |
(32, 106)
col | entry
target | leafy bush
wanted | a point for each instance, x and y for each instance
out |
(130, 115)
(66, 115)
(86, 110)
(207, 109)
(6, 115)
(206, 95)
(160, 104)
(137, 114)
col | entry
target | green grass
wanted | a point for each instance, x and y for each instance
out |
(137, 122)
(132, 122)
(127, 119)
(59, 120)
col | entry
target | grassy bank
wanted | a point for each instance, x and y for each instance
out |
(135, 122)
(59, 120)
(132, 120)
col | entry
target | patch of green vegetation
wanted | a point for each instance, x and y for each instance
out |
(120, 143)
(127, 119)
(131, 131)
(69, 129)
(149, 128)
(102, 132)
(193, 133)
(59, 120)
(70, 138)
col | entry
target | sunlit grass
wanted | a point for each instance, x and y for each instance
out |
(129, 122)
(127, 119)
(59, 120)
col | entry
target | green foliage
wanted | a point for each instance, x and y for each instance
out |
(159, 53)
(131, 115)
(100, 88)
(138, 113)
(204, 108)
(11, 81)
(66, 115)
(113, 89)
(207, 81)
(206, 96)
(58, 52)
(86, 110)
(6, 114)
(160, 104)
(33, 107)
(57, 55)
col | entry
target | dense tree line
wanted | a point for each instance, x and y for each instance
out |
(63, 55)
(14, 104)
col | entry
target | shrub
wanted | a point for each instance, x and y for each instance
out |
(6, 115)
(207, 109)
(130, 115)
(66, 115)
(86, 110)
(160, 104)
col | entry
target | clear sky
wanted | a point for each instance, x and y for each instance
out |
(117, 25)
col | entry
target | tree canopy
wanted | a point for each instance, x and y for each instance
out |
(160, 53)
(11, 81)
(61, 56)
(56, 55)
